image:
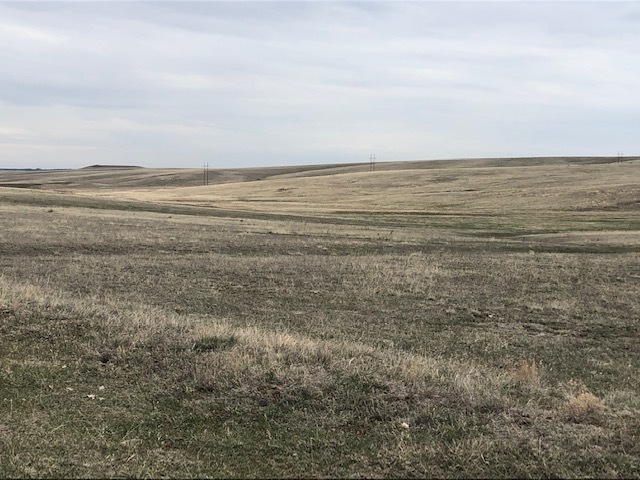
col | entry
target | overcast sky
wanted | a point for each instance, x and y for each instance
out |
(160, 83)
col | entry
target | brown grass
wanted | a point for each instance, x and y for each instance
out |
(583, 406)
(140, 340)
(454, 190)
(527, 371)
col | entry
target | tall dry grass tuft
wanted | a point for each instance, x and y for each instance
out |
(527, 372)
(582, 405)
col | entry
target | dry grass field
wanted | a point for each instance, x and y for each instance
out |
(432, 319)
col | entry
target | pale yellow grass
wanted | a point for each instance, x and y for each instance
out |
(545, 188)
(582, 405)
(604, 238)
(65, 217)
(292, 359)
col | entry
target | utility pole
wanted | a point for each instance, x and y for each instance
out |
(205, 173)
(372, 162)
(620, 155)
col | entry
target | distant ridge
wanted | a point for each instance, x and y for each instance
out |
(120, 167)
(122, 177)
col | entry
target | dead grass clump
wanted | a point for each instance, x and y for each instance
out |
(583, 406)
(527, 372)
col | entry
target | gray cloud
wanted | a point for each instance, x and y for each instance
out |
(252, 83)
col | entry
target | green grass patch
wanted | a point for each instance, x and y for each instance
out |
(213, 344)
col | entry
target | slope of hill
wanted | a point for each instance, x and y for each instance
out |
(107, 177)
(451, 187)
(428, 319)
(104, 177)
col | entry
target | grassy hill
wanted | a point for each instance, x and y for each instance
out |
(473, 318)
(447, 189)
(125, 177)
(108, 177)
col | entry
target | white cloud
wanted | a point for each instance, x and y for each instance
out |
(27, 39)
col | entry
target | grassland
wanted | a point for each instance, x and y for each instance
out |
(473, 318)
